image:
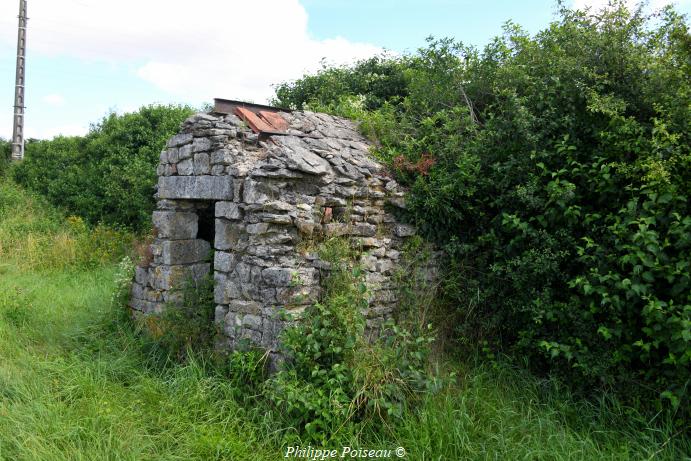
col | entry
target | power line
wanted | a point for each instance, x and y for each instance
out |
(20, 81)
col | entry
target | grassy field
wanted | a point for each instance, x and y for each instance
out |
(78, 383)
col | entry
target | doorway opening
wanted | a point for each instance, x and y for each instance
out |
(206, 227)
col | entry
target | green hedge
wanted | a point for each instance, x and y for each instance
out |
(5, 153)
(108, 175)
(555, 170)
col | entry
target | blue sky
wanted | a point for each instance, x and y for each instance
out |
(402, 25)
(87, 57)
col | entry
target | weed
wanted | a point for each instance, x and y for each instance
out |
(187, 327)
(34, 235)
(334, 380)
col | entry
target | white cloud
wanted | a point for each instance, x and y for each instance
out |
(54, 100)
(193, 50)
(631, 4)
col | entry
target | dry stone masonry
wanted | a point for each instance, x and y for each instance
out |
(245, 205)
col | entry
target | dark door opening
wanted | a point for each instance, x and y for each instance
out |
(206, 226)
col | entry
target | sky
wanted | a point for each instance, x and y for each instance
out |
(86, 58)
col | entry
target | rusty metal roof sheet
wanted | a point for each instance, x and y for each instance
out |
(227, 106)
(262, 119)
(254, 120)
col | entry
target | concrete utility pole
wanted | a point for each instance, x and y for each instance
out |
(18, 132)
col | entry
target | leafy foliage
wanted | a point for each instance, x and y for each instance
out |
(334, 379)
(78, 382)
(560, 189)
(378, 79)
(109, 174)
(5, 154)
(186, 328)
(34, 235)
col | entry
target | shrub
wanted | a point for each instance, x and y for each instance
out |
(559, 187)
(108, 175)
(377, 80)
(5, 154)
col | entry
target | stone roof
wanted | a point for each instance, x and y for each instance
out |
(327, 148)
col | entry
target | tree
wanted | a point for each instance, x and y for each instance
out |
(109, 174)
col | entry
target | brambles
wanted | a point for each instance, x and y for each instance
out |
(557, 178)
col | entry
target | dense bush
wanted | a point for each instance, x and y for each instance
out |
(556, 172)
(377, 80)
(109, 174)
(5, 153)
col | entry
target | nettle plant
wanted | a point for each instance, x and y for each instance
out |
(334, 379)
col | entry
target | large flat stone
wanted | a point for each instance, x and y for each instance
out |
(185, 251)
(299, 158)
(201, 145)
(224, 262)
(226, 288)
(185, 167)
(244, 307)
(256, 192)
(277, 276)
(170, 277)
(175, 225)
(227, 234)
(202, 165)
(195, 187)
(179, 140)
(228, 210)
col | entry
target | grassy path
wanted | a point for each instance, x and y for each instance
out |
(75, 385)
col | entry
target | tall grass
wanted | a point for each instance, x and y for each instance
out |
(34, 235)
(78, 383)
(497, 412)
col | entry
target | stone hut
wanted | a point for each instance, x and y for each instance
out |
(241, 190)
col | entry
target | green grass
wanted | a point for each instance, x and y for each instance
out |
(501, 413)
(78, 383)
(34, 235)
(75, 383)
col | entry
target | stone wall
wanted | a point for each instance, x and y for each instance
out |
(265, 202)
